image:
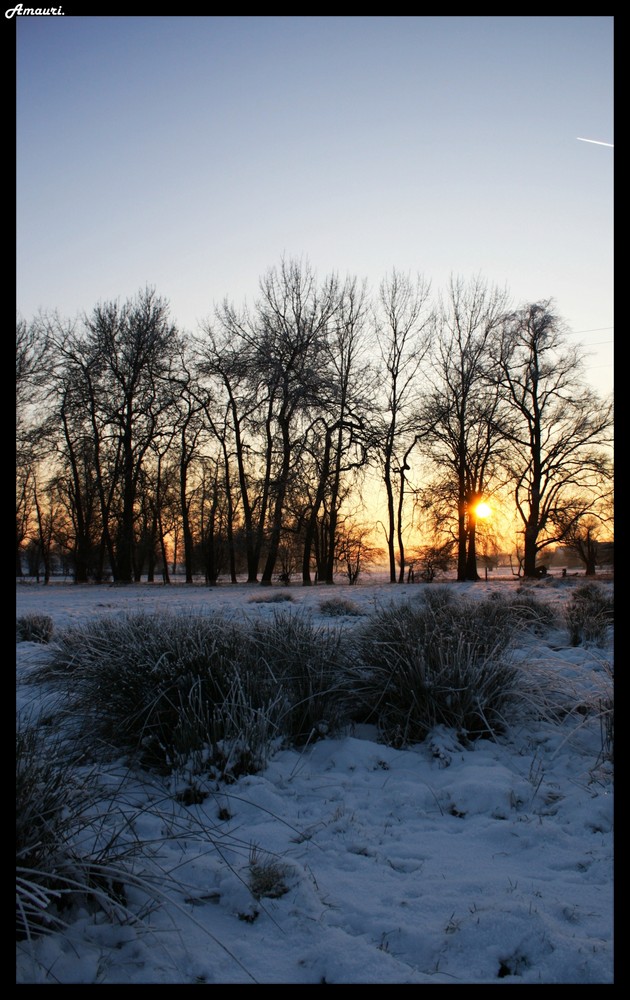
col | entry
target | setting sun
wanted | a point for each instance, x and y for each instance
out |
(482, 510)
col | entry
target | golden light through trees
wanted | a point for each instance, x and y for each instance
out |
(271, 437)
(482, 510)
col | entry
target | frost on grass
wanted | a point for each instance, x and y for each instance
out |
(439, 663)
(444, 860)
(272, 597)
(339, 607)
(34, 628)
(267, 875)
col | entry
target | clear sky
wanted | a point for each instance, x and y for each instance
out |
(192, 153)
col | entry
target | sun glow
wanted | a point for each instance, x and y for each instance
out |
(482, 510)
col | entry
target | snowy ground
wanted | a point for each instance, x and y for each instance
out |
(436, 864)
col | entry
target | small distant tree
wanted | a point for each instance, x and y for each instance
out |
(584, 539)
(289, 555)
(436, 559)
(355, 549)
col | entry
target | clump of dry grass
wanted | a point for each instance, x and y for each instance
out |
(198, 691)
(339, 607)
(272, 597)
(72, 845)
(267, 875)
(34, 628)
(440, 663)
(589, 613)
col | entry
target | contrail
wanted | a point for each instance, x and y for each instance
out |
(596, 141)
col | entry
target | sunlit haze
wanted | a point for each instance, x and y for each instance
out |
(483, 510)
(192, 153)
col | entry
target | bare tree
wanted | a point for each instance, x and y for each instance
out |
(190, 434)
(77, 453)
(89, 455)
(584, 539)
(294, 313)
(459, 416)
(403, 325)
(355, 548)
(435, 559)
(32, 385)
(341, 430)
(559, 431)
(226, 359)
(135, 344)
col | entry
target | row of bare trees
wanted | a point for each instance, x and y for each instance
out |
(250, 446)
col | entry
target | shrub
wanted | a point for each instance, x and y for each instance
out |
(34, 628)
(421, 667)
(588, 614)
(438, 596)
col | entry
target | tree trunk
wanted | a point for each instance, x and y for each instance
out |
(311, 527)
(399, 518)
(471, 556)
(462, 553)
(165, 577)
(530, 549)
(391, 523)
(276, 526)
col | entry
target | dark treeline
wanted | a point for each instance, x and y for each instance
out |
(248, 446)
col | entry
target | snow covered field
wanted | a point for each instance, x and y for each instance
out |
(437, 864)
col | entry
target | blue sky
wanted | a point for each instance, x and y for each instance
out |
(192, 153)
